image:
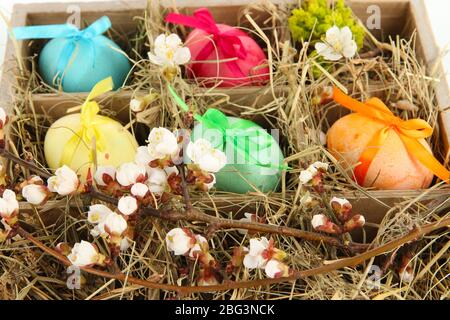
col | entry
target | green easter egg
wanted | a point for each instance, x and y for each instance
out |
(242, 173)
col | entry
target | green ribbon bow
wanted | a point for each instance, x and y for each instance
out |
(241, 134)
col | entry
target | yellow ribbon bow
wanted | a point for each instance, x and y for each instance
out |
(409, 131)
(89, 122)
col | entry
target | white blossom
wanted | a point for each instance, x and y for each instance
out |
(139, 190)
(130, 173)
(311, 171)
(143, 156)
(205, 156)
(104, 175)
(83, 254)
(35, 194)
(115, 224)
(8, 204)
(162, 143)
(169, 51)
(97, 213)
(127, 205)
(157, 180)
(276, 269)
(306, 175)
(64, 182)
(338, 43)
(3, 118)
(254, 258)
(179, 241)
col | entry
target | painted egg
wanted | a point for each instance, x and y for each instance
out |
(392, 168)
(116, 146)
(93, 60)
(253, 68)
(241, 174)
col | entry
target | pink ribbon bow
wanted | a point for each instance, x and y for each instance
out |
(227, 42)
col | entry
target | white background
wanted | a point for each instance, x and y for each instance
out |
(438, 10)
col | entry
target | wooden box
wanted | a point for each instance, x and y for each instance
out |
(399, 17)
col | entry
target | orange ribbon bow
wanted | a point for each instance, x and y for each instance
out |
(409, 131)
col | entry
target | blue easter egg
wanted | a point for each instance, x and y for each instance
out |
(242, 176)
(92, 61)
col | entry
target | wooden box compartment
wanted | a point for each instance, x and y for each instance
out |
(125, 25)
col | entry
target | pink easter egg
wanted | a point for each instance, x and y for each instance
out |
(253, 68)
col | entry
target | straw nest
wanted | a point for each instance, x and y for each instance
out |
(286, 103)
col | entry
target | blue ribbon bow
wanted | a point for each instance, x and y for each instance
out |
(69, 31)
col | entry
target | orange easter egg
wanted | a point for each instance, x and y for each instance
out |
(392, 168)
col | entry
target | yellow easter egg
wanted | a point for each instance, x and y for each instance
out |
(68, 142)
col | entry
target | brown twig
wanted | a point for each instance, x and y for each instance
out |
(339, 264)
(187, 199)
(10, 156)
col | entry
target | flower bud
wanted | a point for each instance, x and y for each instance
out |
(35, 194)
(139, 190)
(320, 222)
(137, 105)
(357, 221)
(63, 248)
(157, 180)
(104, 175)
(341, 207)
(9, 206)
(115, 224)
(205, 156)
(127, 205)
(84, 254)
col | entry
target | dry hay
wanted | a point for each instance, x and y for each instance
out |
(286, 104)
